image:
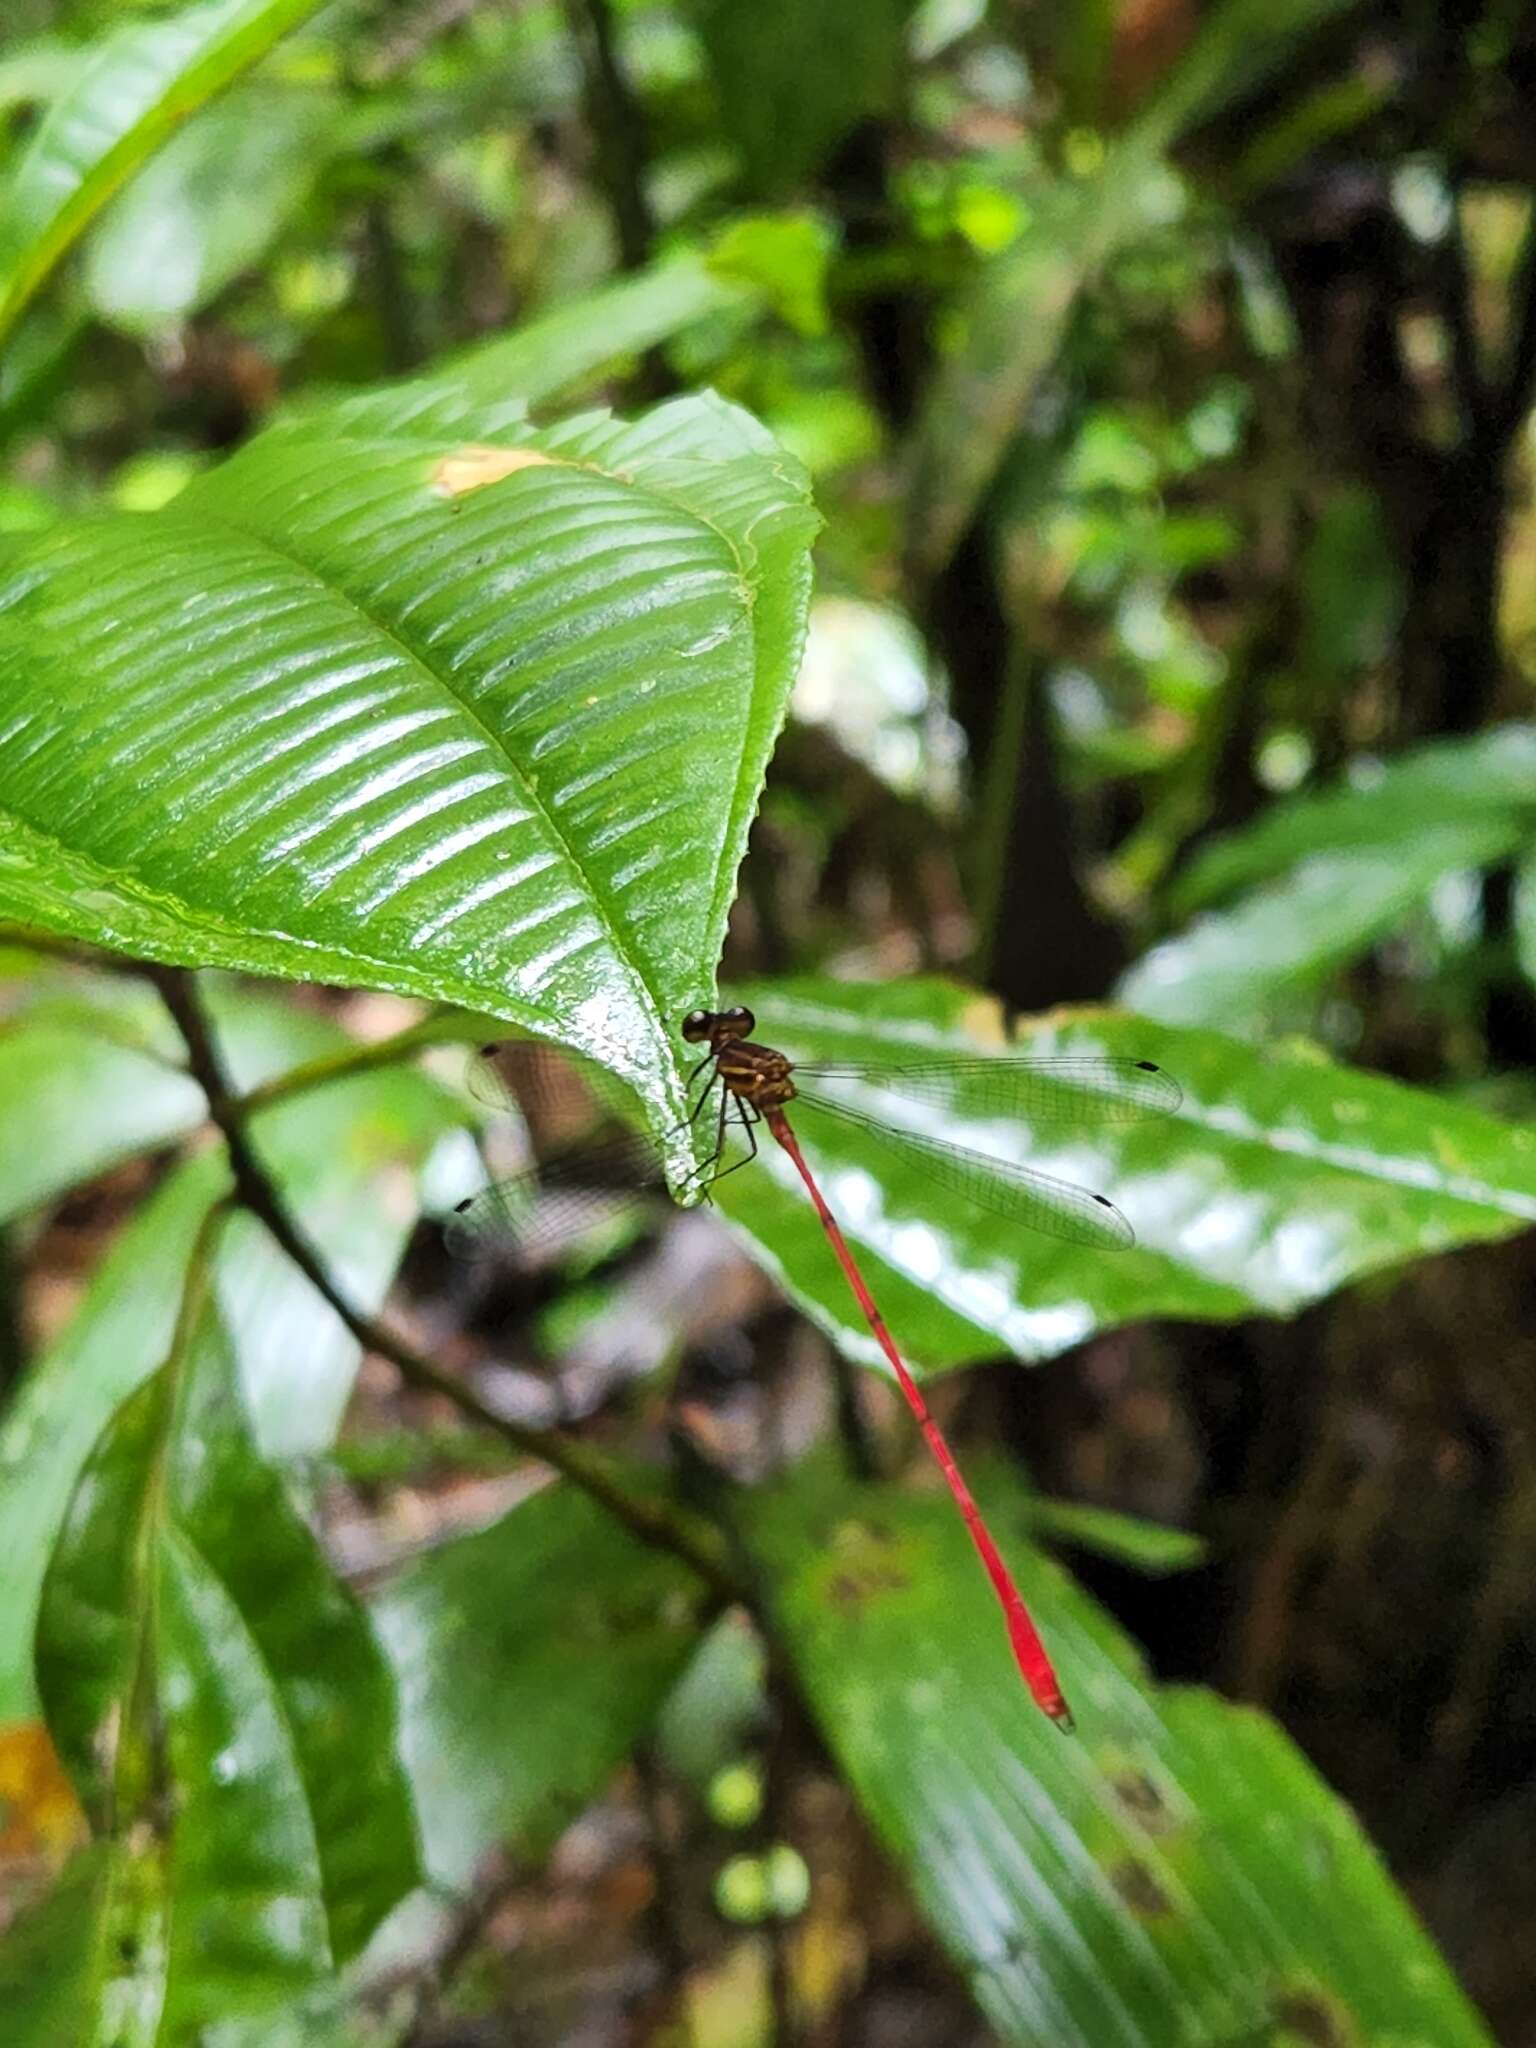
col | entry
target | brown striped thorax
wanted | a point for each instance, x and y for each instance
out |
(754, 1073)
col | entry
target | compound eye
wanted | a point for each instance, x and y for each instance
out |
(741, 1019)
(696, 1026)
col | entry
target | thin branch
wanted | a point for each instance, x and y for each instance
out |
(618, 130)
(347, 1060)
(662, 1525)
(465, 1930)
(1455, 295)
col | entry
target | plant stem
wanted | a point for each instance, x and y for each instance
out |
(618, 134)
(654, 1522)
(347, 1060)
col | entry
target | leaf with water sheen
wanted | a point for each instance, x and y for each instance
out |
(1174, 1876)
(1280, 1177)
(192, 1639)
(478, 720)
(1321, 876)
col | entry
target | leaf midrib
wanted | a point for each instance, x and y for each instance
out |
(742, 554)
(391, 635)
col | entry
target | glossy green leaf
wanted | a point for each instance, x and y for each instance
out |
(191, 1638)
(530, 1658)
(1340, 869)
(1281, 1177)
(347, 1158)
(1175, 1876)
(143, 82)
(207, 206)
(485, 724)
(1474, 787)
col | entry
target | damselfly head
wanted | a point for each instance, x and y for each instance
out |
(718, 1027)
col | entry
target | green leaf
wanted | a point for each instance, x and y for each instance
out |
(207, 206)
(488, 388)
(340, 713)
(530, 1658)
(191, 1639)
(1280, 1178)
(566, 347)
(46, 1956)
(1233, 967)
(1012, 326)
(1344, 867)
(1474, 787)
(93, 1071)
(84, 1084)
(1125, 1539)
(1175, 1876)
(787, 97)
(143, 82)
(785, 255)
(34, 363)
(34, 72)
(346, 1157)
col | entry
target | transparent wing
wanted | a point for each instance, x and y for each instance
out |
(1068, 1090)
(532, 1214)
(519, 1074)
(1022, 1194)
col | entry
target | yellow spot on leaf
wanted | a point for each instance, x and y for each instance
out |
(40, 1818)
(473, 467)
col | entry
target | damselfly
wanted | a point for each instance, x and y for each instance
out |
(740, 1084)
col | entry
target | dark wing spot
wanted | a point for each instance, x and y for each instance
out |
(460, 1207)
(1149, 1066)
(1104, 1202)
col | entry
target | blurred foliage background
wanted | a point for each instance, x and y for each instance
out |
(1165, 372)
